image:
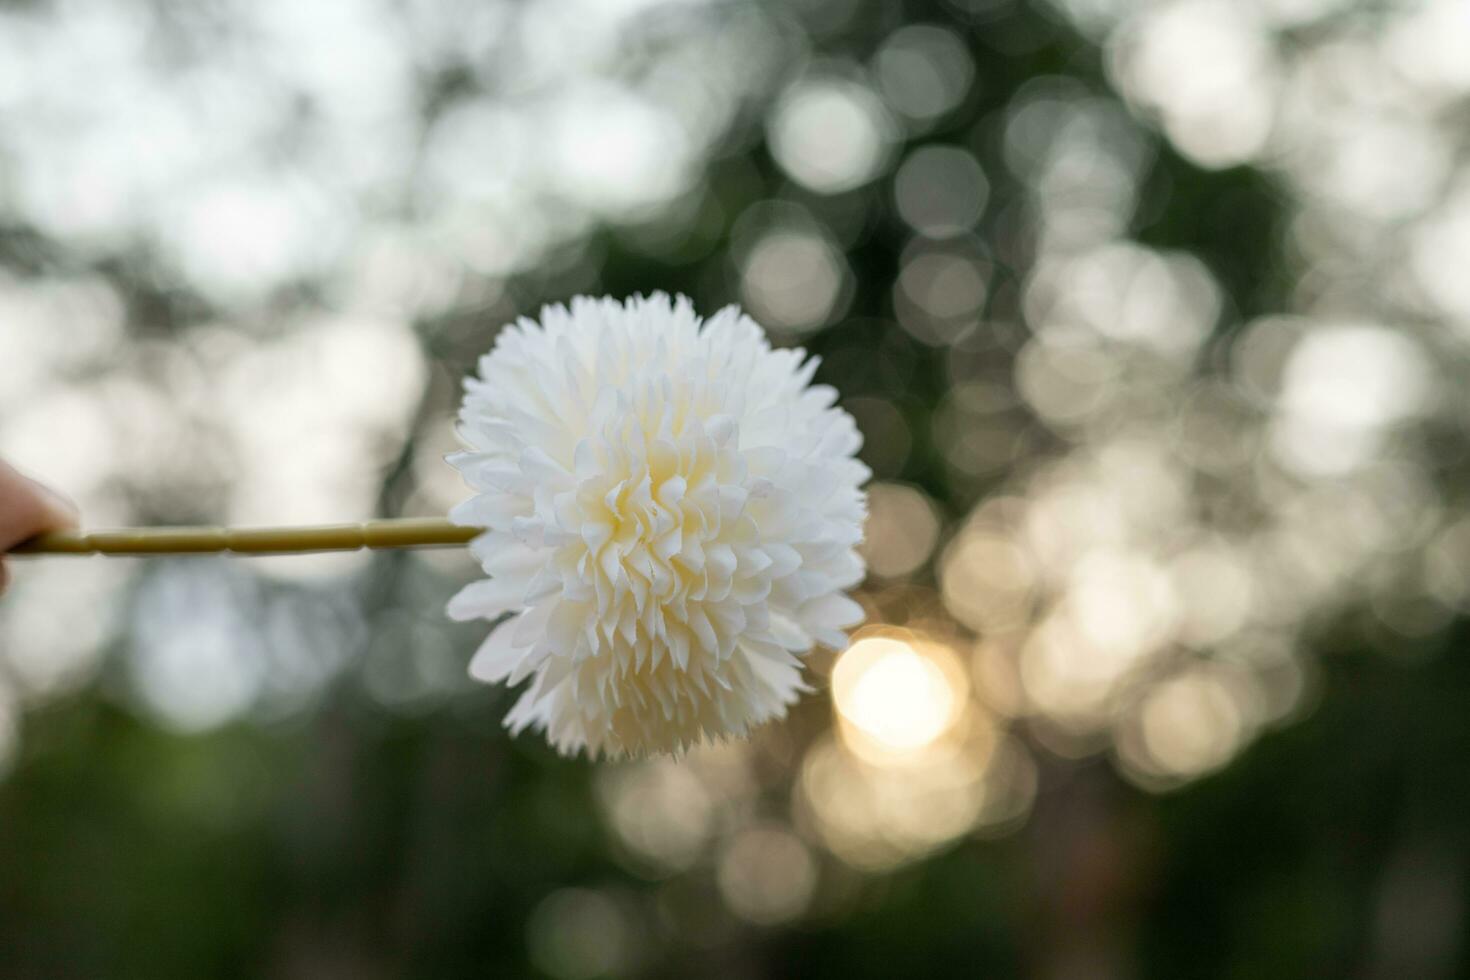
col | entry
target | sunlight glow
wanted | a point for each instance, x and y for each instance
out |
(896, 696)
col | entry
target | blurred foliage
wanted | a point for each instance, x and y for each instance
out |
(360, 847)
(354, 808)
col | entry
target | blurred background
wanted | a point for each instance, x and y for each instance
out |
(1154, 314)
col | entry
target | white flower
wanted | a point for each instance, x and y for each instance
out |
(672, 511)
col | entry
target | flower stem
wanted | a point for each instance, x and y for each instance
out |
(400, 533)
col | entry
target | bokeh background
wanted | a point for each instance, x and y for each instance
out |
(1155, 315)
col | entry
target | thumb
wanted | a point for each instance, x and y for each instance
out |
(27, 508)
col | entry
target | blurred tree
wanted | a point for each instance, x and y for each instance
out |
(381, 824)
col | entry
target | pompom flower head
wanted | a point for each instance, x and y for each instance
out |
(672, 512)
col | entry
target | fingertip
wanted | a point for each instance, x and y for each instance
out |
(60, 509)
(28, 508)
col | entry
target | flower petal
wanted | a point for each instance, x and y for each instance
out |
(497, 656)
(486, 599)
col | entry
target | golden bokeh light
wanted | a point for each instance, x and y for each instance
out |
(901, 530)
(987, 580)
(897, 696)
(1188, 725)
(661, 811)
(878, 817)
(767, 875)
(1191, 724)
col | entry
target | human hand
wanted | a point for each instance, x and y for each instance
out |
(26, 509)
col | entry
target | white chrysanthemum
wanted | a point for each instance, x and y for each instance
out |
(672, 513)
